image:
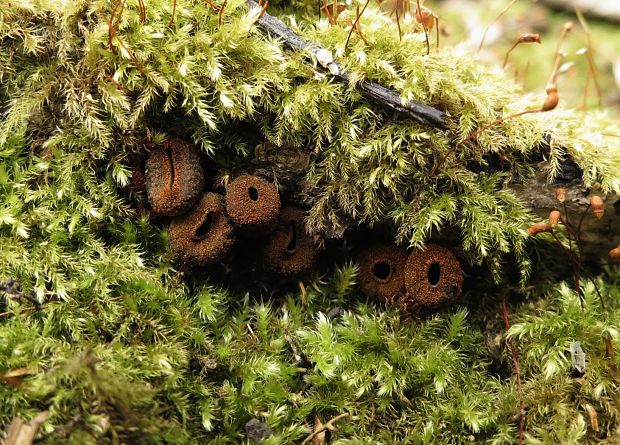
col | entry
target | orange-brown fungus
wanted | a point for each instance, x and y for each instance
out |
(174, 177)
(204, 235)
(381, 272)
(252, 204)
(289, 250)
(432, 276)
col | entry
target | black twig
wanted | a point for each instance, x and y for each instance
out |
(421, 113)
(11, 288)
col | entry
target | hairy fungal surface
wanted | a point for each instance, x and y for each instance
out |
(204, 235)
(253, 205)
(433, 276)
(381, 272)
(174, 177)
(289, 250)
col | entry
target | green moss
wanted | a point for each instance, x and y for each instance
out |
(124, 349)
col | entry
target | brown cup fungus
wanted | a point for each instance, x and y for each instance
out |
(204, 235)
(253, 205)
(381, 272)
(432, 276)
(174, 177)
(289, 250)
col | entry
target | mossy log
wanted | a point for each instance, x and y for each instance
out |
(598, 235)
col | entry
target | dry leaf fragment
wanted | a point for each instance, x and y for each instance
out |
(320, 438)
(593, 416)
(23, 433)
(16, 376)
(578, 356)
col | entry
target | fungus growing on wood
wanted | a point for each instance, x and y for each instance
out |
(204, 235)
(253, 205)
(289, 250)
(174, 177)
(432, 276)
(381, 272)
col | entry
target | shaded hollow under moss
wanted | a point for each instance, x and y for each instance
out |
(432, 276)
(289, 250)
(252, 204)
(204, 235)
(174, 177)
(381, 272)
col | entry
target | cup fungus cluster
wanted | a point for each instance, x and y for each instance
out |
(205, 226)
(425, 278)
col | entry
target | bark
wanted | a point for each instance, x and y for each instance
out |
(598, 236)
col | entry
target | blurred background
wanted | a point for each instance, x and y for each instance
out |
(589, 69)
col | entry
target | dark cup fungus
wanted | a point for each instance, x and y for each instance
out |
(289, 250)
(381, 272)
(432, 276)
(174, 177)
(204, 235)
(253, 205)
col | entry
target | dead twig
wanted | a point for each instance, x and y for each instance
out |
(329, 425)
(11, 288)
(421, 113)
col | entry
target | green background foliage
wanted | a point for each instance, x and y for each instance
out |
(126, 349)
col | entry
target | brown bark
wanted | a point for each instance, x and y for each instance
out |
(598, 236)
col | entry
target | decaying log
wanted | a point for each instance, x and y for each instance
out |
(599, 9)
(598, 236)
(423, 114)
